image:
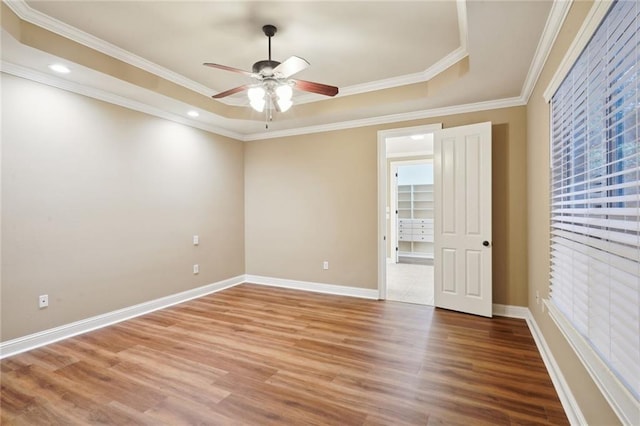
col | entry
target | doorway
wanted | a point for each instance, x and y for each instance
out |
(409, 220)
(410, 269)
(462, 253)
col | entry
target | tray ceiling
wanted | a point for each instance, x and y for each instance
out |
(391, 60)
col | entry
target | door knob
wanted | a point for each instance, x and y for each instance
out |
(485, 243)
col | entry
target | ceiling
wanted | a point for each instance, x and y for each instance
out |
(392, 60)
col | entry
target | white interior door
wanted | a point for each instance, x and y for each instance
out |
(462, 258)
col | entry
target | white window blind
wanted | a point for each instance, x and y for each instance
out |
(595, 196)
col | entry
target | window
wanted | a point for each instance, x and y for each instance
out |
(595, 196)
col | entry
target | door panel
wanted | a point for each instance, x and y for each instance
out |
(472, 192)
(473, 264)
(463, 219)
(448, 183)
(448, 271)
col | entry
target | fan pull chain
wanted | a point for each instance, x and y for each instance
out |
(267, 117)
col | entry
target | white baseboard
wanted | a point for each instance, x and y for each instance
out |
(511, 311)
(363, 293)
(32, 341)
(569, 403)
(42, 338)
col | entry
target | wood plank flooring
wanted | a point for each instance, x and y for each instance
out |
(258, 355)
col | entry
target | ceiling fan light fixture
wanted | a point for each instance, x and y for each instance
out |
(284, 93)
(284, 105)
(273, 85)
(258, 104)
(256, 98)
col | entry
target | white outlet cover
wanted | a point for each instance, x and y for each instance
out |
(43, 301)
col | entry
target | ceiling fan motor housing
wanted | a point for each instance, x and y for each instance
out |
(264, 65)
(269, 30)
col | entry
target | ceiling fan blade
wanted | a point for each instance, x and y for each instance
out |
(291, 66)
(310, 86)
(226, 68)
(231, 91)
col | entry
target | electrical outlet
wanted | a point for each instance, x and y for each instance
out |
(43, 301)
(325, 264)
(196, 269)
(196, 240)
(537, 297)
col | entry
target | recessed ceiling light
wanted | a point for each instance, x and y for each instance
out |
(193, 113)
(417, 137)
(62, 69)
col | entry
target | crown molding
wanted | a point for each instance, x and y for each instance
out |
(392, 118)
(92, 92)
(26, 13)
(557, 15)
(449, 60)
(60, 83)
(463, 26)
(388, 83)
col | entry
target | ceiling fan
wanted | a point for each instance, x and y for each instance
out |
(273, 86)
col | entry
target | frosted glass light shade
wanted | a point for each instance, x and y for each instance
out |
(284, 104)
(284, 93)
(256, 98)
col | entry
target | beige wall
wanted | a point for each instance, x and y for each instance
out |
(314, 197)
(99, 205)
(590, 400)
(309, 199)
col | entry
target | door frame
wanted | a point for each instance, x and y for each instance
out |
(382, 195)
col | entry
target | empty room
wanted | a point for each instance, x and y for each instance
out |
(320, 212)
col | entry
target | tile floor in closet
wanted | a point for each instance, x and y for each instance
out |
(410, 282)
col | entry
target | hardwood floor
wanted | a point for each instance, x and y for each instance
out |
(259, 355)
